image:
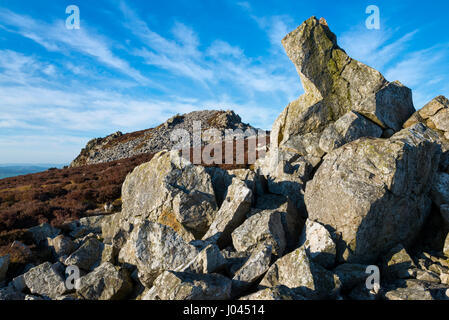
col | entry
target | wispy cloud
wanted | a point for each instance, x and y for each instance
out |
(220, 61)
(56, 37)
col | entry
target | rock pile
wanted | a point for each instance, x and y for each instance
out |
(354, 178)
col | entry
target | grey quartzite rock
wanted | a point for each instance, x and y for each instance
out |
(296, 271)
(264, 227)
(232, 213)
(106, 282)
(42, 232)
(374, 193)
(45, 281)
(88, 256)
(189, 286)
(155, 248)
(319, 244)
(256, 266)
(208, 260)
(171, 191)
(344, 100)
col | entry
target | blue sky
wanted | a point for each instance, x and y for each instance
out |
(133, 64)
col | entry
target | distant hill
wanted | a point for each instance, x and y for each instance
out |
(18, 170)
(121, 146)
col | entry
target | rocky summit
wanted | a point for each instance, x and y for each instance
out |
(120, 146)
(351, 202)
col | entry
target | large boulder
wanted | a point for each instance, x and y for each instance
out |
(263, 227)
(335, 84)
(155, 248)
(171, 191)
(189, 286)
(106, 282)
(296, 271)
(232, 213)
(45, 280)
(435, 115)
(374, 193)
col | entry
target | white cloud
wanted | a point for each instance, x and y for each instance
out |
(69, 98)
(374, 47)
(56, 37)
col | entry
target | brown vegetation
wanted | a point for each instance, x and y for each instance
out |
(58, 196)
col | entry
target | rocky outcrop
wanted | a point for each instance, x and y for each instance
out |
(342, 190)
(344, 100)
(119, 146)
